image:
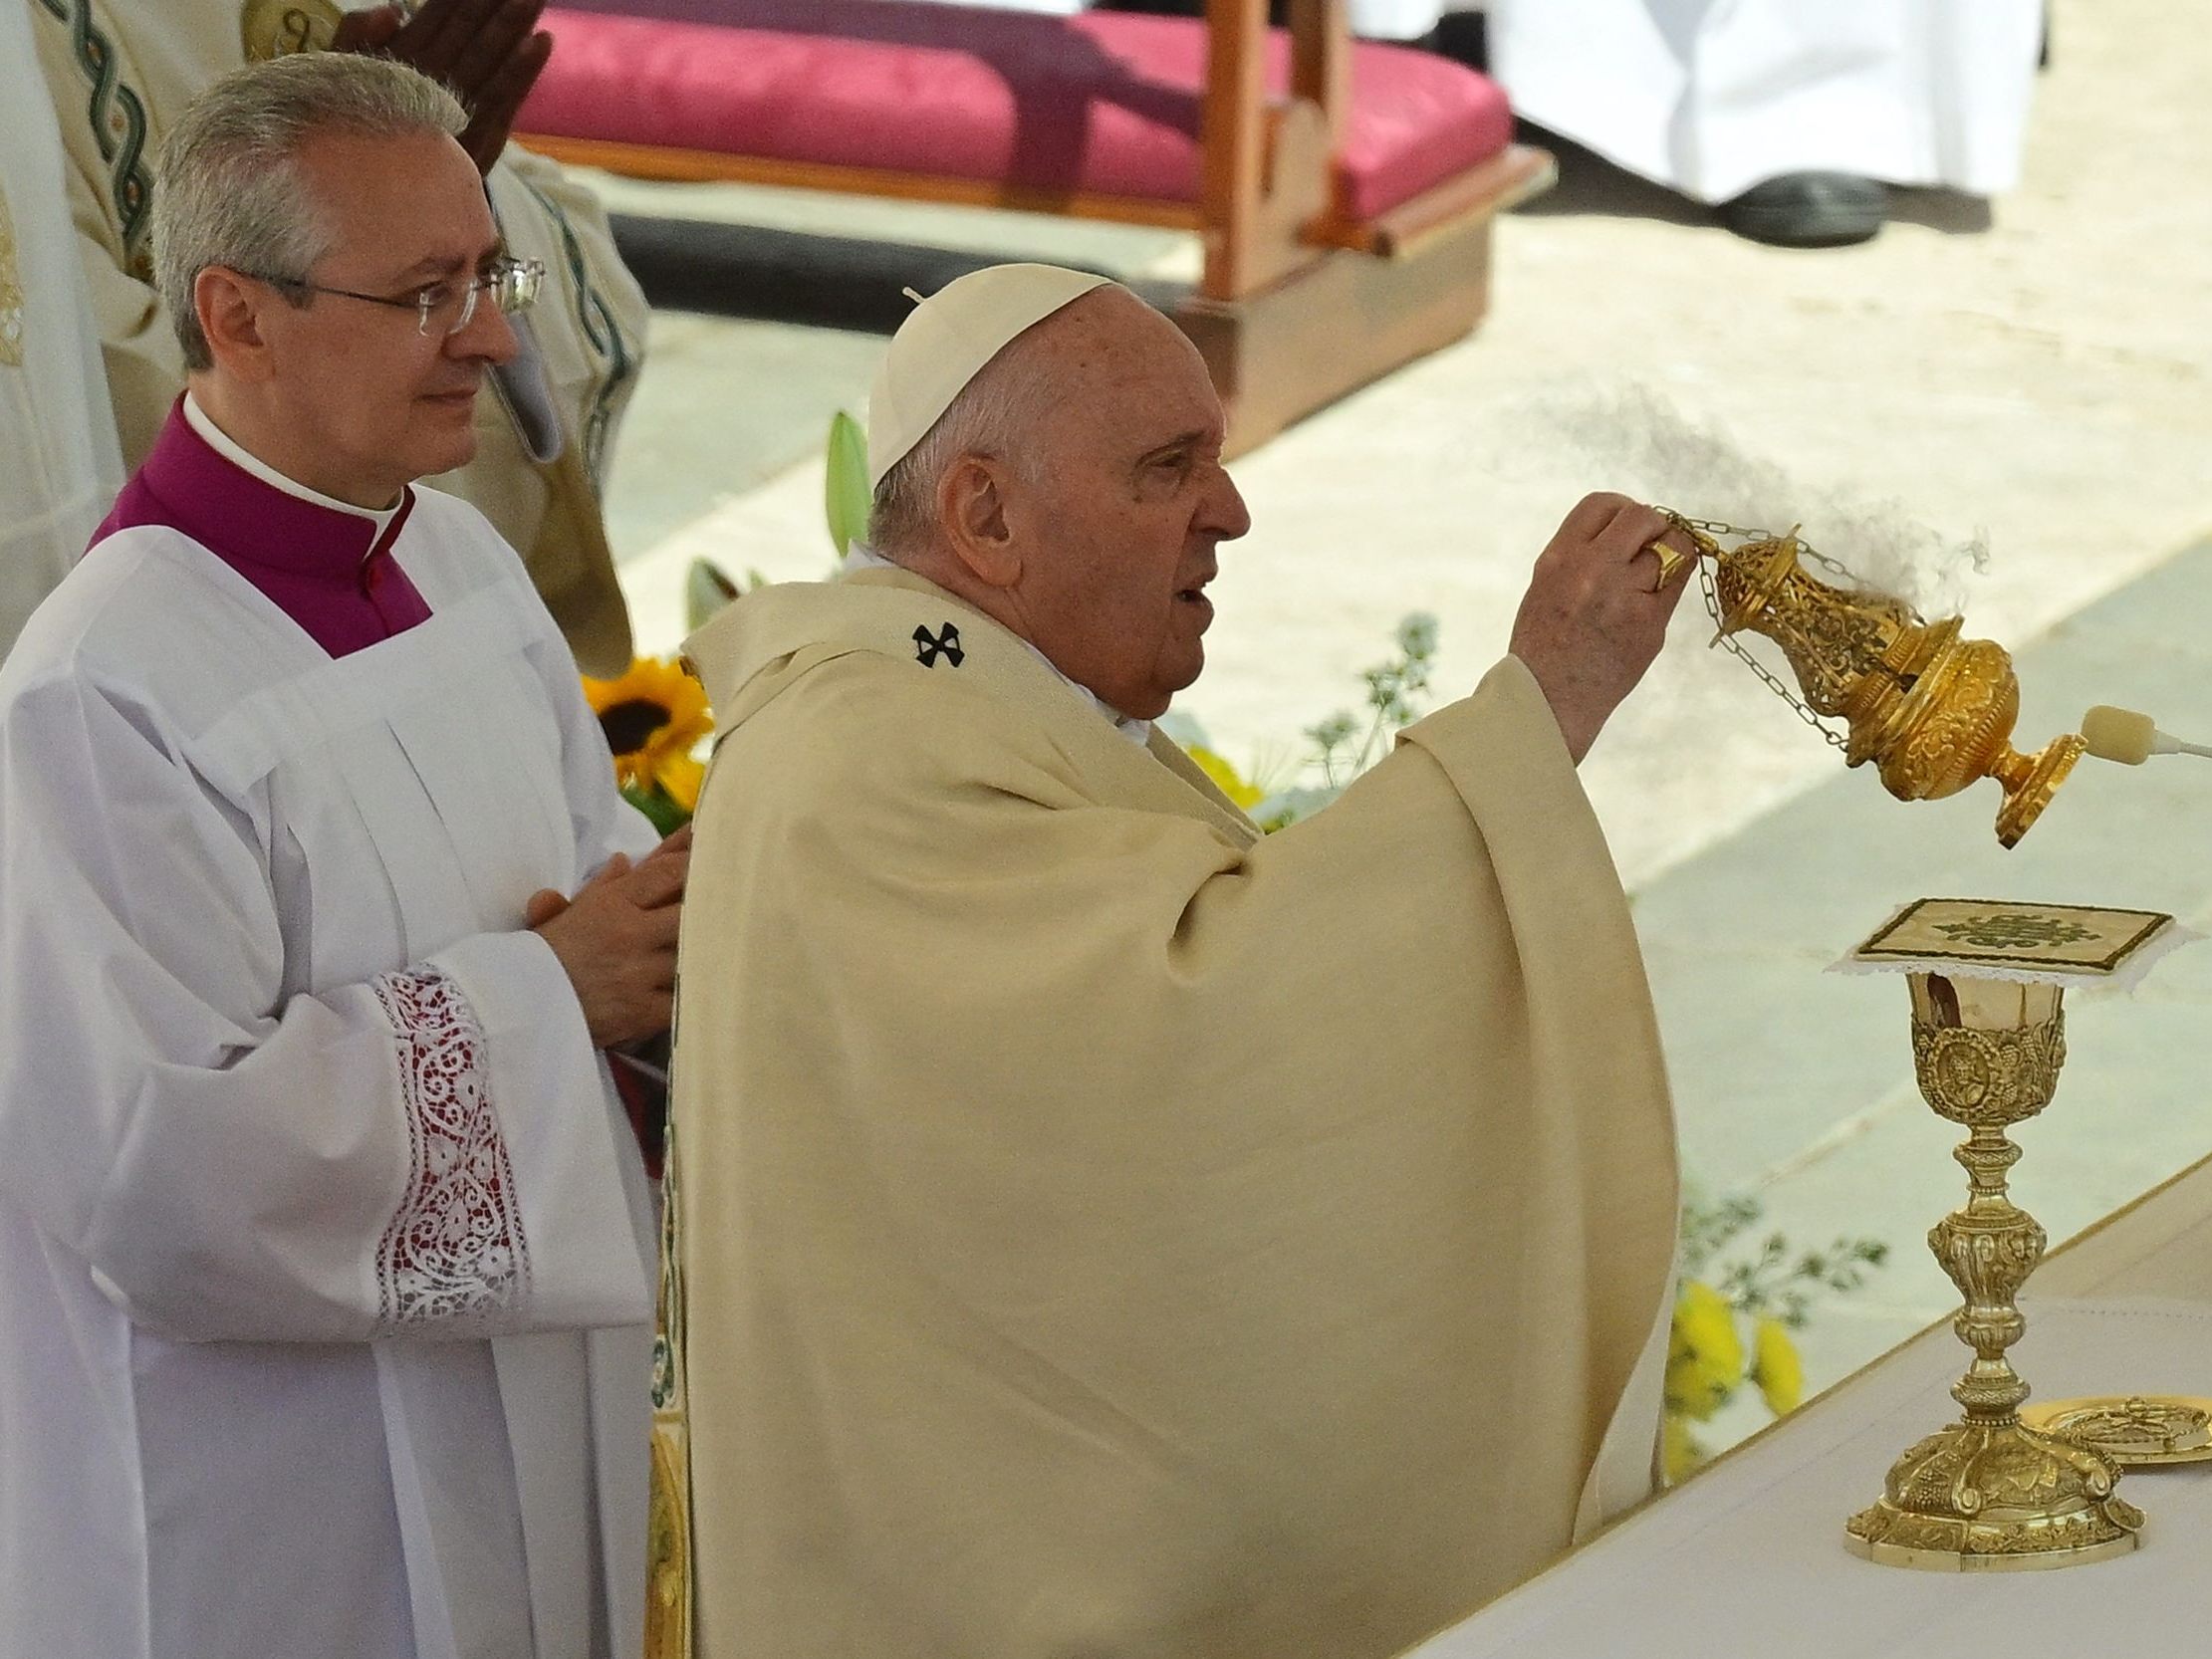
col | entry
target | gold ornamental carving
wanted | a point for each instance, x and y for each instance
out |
(1990, 1493)
(278, 27)
(2133, 1430)
(1931, 711)
(11, 293)
(668, 1554)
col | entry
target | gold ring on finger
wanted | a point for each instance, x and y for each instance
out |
(1671, 564)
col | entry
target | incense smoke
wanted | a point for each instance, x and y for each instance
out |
(1698, 470)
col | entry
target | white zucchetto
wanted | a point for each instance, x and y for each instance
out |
(946, 342)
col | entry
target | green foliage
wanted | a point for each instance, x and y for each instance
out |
(705, 591)
(1772, 1289)
(1346, 744)
(666, 815)
(845, 501)
(1397, 689)
(1771, 1279)
(846, 495)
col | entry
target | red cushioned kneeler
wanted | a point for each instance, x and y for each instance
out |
(1284, 149)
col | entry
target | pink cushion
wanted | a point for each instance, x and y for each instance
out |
(1104, 103)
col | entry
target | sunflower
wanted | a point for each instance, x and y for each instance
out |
(680, 778)
(653, 717)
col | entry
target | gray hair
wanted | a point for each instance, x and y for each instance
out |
(228, 190)
(996, 413)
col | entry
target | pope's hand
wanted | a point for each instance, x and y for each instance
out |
(617, 940)
(1590, 622)
(490, 51)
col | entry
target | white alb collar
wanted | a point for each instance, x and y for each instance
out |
(228, 448)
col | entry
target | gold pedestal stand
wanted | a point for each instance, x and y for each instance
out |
(1988, 1494)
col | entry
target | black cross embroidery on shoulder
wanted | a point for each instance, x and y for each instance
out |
(945, 642)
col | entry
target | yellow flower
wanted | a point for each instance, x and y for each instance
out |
(1226, 778)
(680, 778)
(1705, 1356)
(1679, 1452)
(1775, 1368)
(653, 717)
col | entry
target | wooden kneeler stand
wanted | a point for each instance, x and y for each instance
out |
(1298, 302)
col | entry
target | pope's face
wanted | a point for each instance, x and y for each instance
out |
(1118, 532)
(382, 402)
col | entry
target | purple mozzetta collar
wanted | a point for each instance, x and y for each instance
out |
(328, 570)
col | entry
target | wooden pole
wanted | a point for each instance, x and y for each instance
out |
(1233, 143)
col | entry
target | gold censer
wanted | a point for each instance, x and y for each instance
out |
(1932, 711)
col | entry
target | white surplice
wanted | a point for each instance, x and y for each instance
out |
(323, 1244)
(59, 465)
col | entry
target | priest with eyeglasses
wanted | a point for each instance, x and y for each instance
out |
(121, 76)
(326, 1249)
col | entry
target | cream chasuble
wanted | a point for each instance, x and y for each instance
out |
(121, 74)
(1099, 1230)
(325, 1248)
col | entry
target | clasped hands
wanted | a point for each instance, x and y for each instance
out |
(1596, 608)
(617, 940)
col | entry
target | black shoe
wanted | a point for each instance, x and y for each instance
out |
(1808, 211)
(1463, 37)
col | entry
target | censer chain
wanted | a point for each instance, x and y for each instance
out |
(1714, 528)
(1807, 553)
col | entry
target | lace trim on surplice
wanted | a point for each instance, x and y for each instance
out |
(454, 1253)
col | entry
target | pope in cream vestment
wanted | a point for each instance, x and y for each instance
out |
(1098, 1229)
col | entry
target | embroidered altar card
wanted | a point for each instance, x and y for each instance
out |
(2066, 944)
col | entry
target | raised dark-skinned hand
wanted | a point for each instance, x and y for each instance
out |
(490, 51)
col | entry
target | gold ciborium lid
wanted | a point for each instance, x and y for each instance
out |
(1933, 712)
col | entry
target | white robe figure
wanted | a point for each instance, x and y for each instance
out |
(1712, 97)
(58, 464)
(121, 73)
(323, 1243)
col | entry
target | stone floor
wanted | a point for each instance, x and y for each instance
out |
(2037, 378)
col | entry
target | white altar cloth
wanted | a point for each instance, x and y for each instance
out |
(1748, 1556)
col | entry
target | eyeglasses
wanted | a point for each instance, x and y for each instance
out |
(443, 308)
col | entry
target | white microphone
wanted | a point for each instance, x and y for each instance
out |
(2129, 738)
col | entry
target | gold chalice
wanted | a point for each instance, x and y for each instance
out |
(1987, 1491)
(1932, 711)
(1990, 1493)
